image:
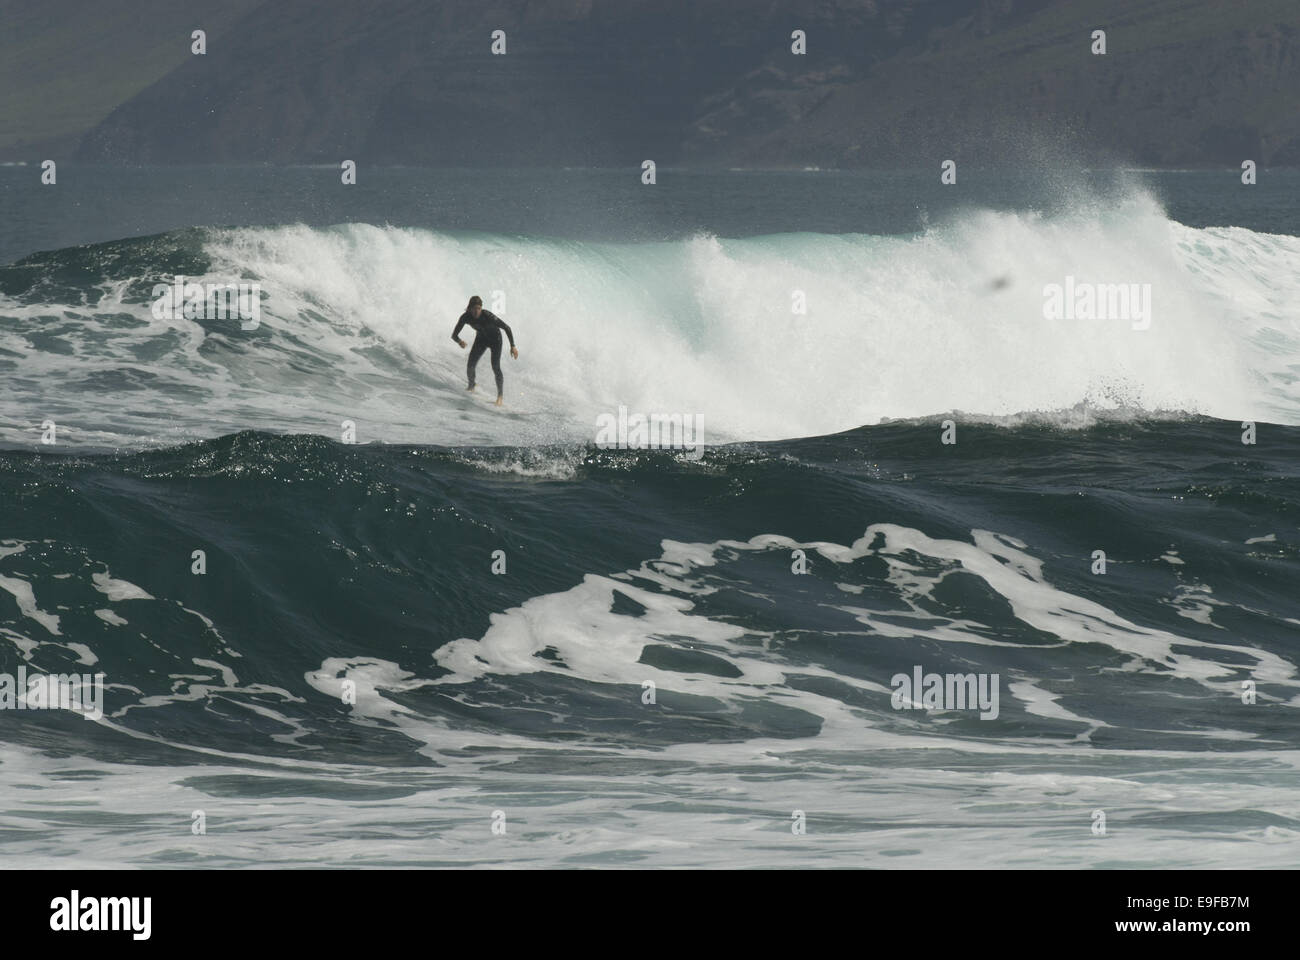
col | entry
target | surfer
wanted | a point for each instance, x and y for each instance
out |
(487, 328)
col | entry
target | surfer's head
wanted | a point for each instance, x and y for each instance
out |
(475, 306)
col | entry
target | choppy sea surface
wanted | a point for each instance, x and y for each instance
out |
(472, 636)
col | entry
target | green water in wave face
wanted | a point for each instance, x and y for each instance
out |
(326, 565)
(323, 561)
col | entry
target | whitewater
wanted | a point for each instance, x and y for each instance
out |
(356, 322)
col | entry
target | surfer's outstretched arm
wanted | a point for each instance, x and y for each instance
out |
(455, 334)
(509, 333)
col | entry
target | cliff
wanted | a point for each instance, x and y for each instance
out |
(701, 82)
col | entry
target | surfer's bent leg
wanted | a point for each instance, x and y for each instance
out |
(496, 367)
(475, 351)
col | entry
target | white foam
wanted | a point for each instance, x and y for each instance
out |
(118, 589)
(357, 318)
(585, 638)
(22, 592)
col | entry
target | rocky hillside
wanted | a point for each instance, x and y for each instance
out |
(597, 82)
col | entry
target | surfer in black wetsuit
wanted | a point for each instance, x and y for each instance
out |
(487, 328)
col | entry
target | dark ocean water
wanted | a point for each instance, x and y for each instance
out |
(460, 618)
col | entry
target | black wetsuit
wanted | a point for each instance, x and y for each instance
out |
(487, 335)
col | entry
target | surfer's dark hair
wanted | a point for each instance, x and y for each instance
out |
(474, 301)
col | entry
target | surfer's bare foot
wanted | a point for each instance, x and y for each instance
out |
(469, 389)
(499, 399)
